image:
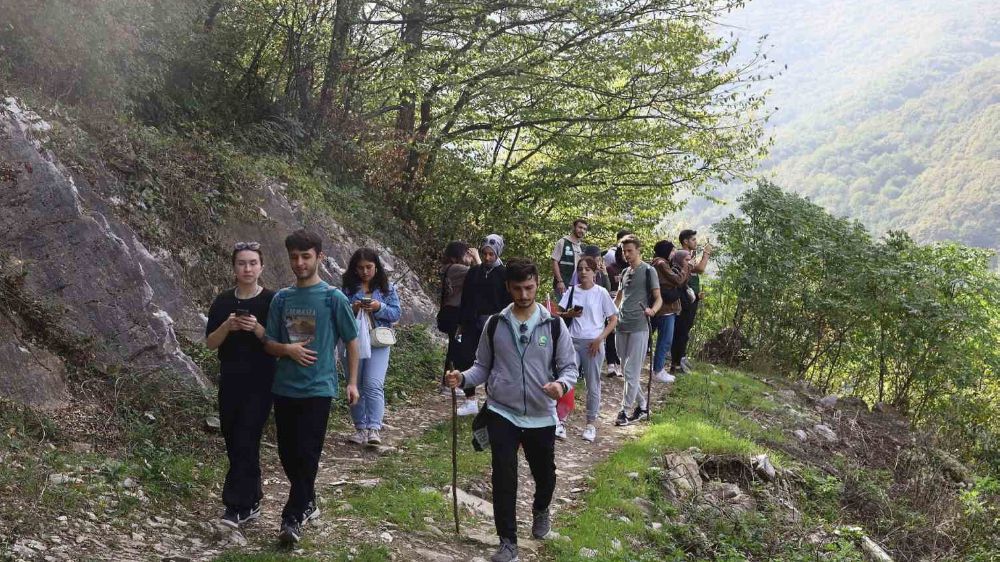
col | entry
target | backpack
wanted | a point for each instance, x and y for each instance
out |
(480, 434)
(447, 316)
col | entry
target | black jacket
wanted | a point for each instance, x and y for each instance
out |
(484, 292)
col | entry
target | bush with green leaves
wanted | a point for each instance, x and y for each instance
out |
(915, 326)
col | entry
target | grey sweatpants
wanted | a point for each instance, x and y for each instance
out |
(632, 347)
(590, 369)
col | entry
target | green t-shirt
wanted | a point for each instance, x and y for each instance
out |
(636, 286)
(695, 283)
(322, 313)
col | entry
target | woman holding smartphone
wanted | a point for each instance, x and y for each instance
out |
(236, 323)
(367, 287)
(592, 317)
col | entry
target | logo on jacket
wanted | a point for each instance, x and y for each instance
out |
(543, 341)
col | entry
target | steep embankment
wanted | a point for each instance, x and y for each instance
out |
(110, 256)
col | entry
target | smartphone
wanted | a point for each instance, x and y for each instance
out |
(577, 308)
(242, 312)
(366, 301)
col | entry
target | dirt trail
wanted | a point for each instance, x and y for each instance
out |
(193, 534)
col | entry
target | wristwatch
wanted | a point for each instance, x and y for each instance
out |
(565, 387)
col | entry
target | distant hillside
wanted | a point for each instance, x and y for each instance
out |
(887, 114)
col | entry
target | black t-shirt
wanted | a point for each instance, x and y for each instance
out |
(241, 352)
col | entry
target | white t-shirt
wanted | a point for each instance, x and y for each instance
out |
(597, 307)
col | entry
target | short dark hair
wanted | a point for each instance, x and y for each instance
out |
(579, 220)
(621, 234)
(589, 260)
(455, 251)
(521, 269)
(630, 239)
(663, 248)
(303, 241)
(686, 233)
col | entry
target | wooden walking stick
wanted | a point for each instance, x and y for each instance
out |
(454, 452)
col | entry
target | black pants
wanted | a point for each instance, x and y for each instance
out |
(460, 357)
(611, 350)
(243, 410)
(539, 448)
(682, 331)
(301, 426)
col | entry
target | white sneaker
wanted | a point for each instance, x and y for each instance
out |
(663, 376)
(360, 437)
(561, 431)
(445, 391)
(590, 433)
(469, 408)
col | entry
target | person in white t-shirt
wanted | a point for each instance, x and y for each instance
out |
(592, 316)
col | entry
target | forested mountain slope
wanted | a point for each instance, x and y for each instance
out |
(886, 113)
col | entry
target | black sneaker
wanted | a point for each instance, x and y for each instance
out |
(250, 514)
(638, 415)
(622, 418)
(541, 524)
(311, 512)
(291, 531)
(231, 518)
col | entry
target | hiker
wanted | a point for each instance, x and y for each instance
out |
(236, 325)
(671, 276)
(375, 304)
(614, 264)
(483, 294)
(690, 298)
(303, 326)
(565, 254)
(601, 278)
(637, 302)
(591, 316)
(527, 361)
(459, 257)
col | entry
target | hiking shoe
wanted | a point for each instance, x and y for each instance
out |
(506, 553)
(359, 437)
(541, 523)
(664, 377)
(310, 513)
(622, 418)
(614, 370)
(231, 518)
(686, 364)
(590, 433)
(639, 415)
(561, 431)
(291, 531)
(445, 391)
(374, 439)
(469, 408)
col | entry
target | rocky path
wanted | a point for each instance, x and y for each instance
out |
(194, 535)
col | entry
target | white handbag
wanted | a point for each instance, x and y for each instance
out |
(381, 336)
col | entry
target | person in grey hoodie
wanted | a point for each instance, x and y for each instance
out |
(528, 364)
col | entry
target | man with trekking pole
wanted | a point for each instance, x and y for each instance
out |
(527, 360)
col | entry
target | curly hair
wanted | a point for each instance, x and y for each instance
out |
(351, 279)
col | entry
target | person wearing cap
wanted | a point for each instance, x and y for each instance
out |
(689, 301)
(484, 293)
(565, 254)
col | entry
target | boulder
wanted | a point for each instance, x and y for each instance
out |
(825, 432)
(763, 467)
(681, 478)
(727, 496)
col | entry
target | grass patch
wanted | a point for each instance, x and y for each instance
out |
(400, 496)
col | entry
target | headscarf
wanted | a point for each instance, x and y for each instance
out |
(680, 258)
(494, 242)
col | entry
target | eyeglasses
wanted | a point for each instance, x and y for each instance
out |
(239, 246)
(524, 334)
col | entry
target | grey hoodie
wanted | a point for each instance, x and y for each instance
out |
(515, 382)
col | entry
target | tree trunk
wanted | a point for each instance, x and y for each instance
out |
(344, 17)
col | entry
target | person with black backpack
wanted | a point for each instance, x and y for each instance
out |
(672, 278)
(527, 360)
(459, 257)
(638, 300)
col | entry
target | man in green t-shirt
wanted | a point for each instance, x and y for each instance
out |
(565, 255)
(637, 300)
(689, 306)
(304, 324)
